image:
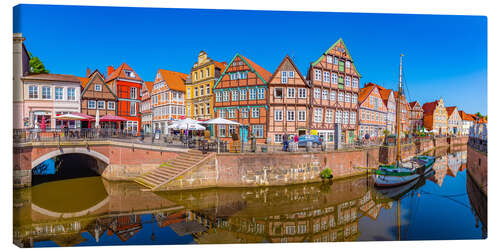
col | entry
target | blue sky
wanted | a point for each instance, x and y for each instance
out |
(445, 56)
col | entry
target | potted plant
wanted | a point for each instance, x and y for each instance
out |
(326, 174)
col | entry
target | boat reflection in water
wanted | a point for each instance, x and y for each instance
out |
(345, 210)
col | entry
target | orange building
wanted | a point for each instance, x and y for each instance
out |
(435, 117)
(372, 112)
(146, 109)
(127, 85)
(167, 98)
(241, 95)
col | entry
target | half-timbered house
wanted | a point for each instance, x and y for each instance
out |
(334, 97)
(241, 95)
(288, 102)
(97, 95)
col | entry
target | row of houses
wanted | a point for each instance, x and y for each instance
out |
(328, 101)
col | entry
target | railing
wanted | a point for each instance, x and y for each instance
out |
(478, 144)
(70, 134)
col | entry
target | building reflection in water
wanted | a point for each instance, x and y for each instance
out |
(302, 213)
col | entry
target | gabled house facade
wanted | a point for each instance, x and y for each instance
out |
(241, 95)
(289, 102)
(454, 121)
(146, 111)
(199, 97)
(416, 117)
(126, 84)
(467, 122)
(167, 98)
(372, 112)
(20, 68)
(97, 95)
(435, 117)
(334, 97)
(390, 102)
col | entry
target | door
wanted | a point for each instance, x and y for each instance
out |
(244, 133)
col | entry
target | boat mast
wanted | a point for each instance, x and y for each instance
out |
(398, 110)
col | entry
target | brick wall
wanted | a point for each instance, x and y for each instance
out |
(387, 154)
(477, 167)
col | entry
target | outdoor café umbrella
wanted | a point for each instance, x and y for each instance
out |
(70, 117)
(220, 121)
(42, 126)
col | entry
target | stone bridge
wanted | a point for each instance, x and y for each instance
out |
(115, 160)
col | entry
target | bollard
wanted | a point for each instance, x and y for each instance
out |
(308, 146)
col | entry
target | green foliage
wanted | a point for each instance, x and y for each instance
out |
(386, 132)
(36, 65)
(326, 173)
(478, 115)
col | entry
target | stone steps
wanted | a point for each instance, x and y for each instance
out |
(174, 168)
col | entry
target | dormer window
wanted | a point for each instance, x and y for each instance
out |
(129, 73)
(329, 59)
(98, 87)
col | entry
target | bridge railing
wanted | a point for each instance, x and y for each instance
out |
(70, 134)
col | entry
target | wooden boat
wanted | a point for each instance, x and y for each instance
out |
(401, 173)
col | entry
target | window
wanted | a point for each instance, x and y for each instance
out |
(348, 64)
(291, 74)
(317, 74)
(208, 72)
(33, 92)
(111, 105)
(336, 60)
(318, 115)
(133, 93)
(225, 96)
(133, 109)
(317, 93)
(260, 93)
(290, 115)
(326, 76)
(201, 90)
(338, 116)
(129, 73)
(255, 112)
(278, 115)
(334, 78)
(243, 94)
(252, 94)
(91, 104)
(341, 80)
(302, 115)
(222, 113)
(325, 94)
(258, 131)
(333, 95)
(284, 77)
(234, 95)
(217, 96)
(371, 100)
(207, 89)
(353, 117)
(222, 130)
(201, 109)
(232, 129)
(100, 105)
(347, 97)
(46, 92)
(302, 93)
(354, 82)
(278, 93)
(341, 97)
(58, 93)
(244, 113)
(346, 117)
(329, 59)
(195, 76)
(329, 116)
(188, 93)
(354, 98)
(278, 138)
(201, 74)
(98, 87)
(231, 113)
(290, 229)
(341, 66)
(291, 93)
(208, 108)
(195, 91)
(348, 81)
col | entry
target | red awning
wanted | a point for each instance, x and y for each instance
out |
(112, 118)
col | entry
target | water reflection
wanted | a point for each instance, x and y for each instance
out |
(64, 214)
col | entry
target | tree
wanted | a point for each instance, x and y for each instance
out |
(36, 65)
(478, 115)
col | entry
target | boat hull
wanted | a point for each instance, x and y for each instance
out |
(383, 180)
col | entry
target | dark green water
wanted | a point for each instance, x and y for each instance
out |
(91, 211)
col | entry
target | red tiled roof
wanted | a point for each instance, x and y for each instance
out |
(174, 80)
(221, 65)
(120, 73)
(450, 110)
(149, 85)
(465, 116)
(261, 71)
(83, 81)
(53, 77)
(412, 104)
(429, 107)
(365, 92)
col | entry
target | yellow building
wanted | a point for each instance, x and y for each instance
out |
(199, 85)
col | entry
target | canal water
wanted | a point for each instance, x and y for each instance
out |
(91, 211)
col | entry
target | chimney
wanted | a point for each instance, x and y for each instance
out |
(110, 70)
(88, 72)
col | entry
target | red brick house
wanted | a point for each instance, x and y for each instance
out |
(416, 117)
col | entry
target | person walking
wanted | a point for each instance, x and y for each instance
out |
(285, 142)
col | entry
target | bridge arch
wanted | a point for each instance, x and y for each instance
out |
(63, 151)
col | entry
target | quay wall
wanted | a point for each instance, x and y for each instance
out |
(274, 169)
(477, 167)
(440, 142)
